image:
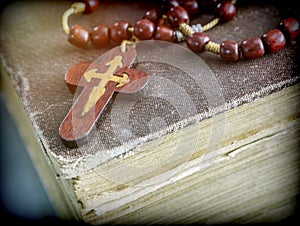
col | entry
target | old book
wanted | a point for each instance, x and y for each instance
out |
(208, 141)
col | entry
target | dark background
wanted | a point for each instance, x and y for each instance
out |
(23, 198)
(22, 194)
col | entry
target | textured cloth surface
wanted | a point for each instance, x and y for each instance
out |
(35, 52)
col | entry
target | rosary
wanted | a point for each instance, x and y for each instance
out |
(171, 23)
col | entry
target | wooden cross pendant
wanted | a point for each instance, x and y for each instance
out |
(99, 81)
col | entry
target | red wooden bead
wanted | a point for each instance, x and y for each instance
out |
(119, 31)
(252, 48)
(197, 41)
(225, 11)
(91, 5)
(229, 50)
(164, 33)
(191, 7)
(153, 15)
(144, 29)
(173, 3)
(177, 15)
(273, 40)
(100, 35)
(79, 36)
(166, 5)
(290, 27)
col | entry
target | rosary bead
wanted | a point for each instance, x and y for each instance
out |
(192, 7)
(225, 11)
(166, 5)
(79, 36)
(119, 31)
(177, 15)
(164, 33)
(173, 3)
(197, 41)
(154, 15)
(91, 6)
(229, 50)
(252, 48)
(144, 29)
(100, 35)
(290, 27)
(273, 40)
(171, 22)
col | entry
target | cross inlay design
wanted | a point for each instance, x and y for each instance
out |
(99, 81)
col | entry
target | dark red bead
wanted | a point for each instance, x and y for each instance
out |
(164, 33)
(91, 5)
(144, 29)
(177, 15)
(290, 27)
(100, 35)
(79, 36)
(273, 40)
(166, 5)
(119, 31)
(229, 50)
(154, 15)
(197, 41)
(225, 11)
(192, 7)
(173, 3)
(252, 48)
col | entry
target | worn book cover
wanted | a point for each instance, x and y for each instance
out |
(183, 89)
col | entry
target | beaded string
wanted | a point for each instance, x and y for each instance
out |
(152, 15)
(172, 23)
